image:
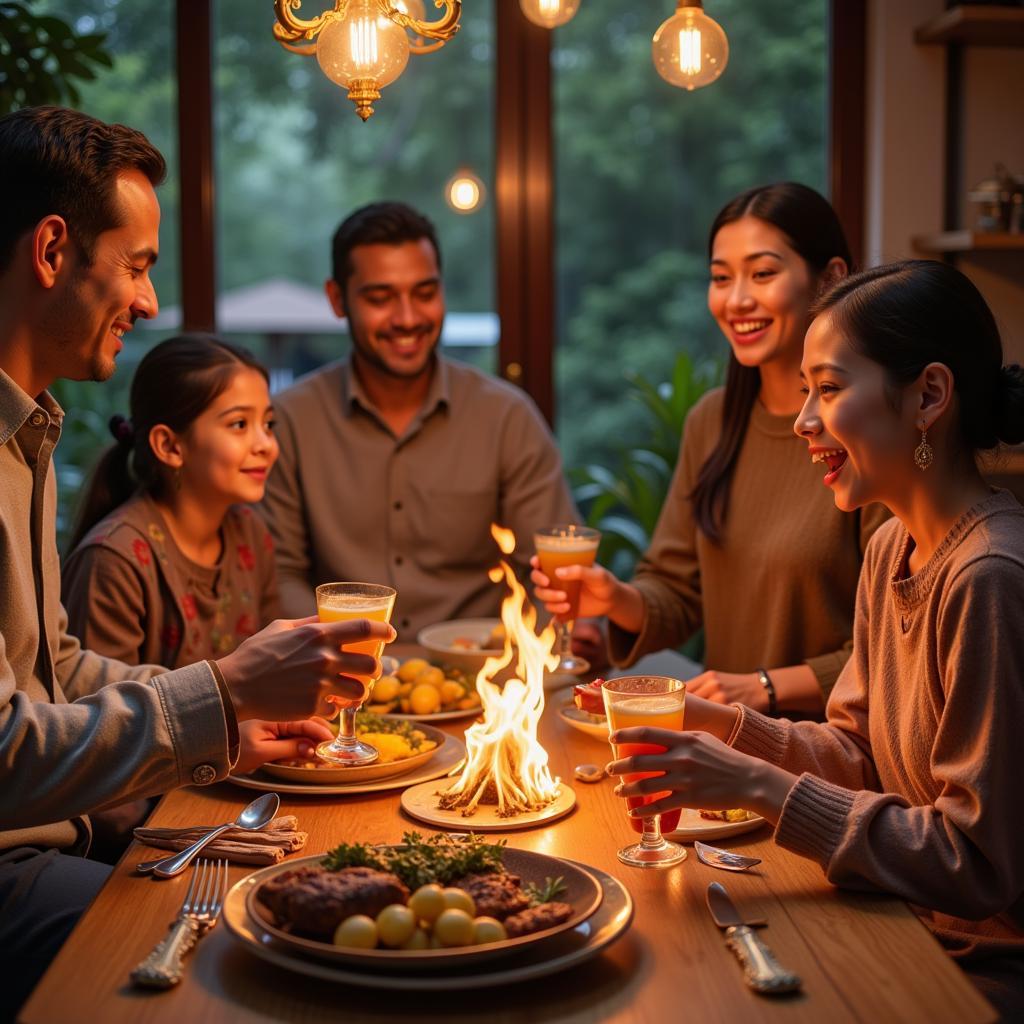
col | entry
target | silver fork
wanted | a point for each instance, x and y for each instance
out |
(199, 912)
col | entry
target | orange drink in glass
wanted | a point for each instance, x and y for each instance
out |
(658, 702)
(559, 546)
(343, 602)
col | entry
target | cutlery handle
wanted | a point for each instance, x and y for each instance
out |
(761, 970)
(164, 967)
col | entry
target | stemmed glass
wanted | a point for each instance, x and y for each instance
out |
(340, 602)
(656, 701)
(558, 546)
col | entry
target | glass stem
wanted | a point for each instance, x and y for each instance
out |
(566, 641)
(652, 837)
(347, 726)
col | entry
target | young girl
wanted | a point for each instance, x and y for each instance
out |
(747, 544)
(912, 785)
(169, 564)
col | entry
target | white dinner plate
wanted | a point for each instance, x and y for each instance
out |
(608, 923)
(693, 826)
(446, 758)
(593, 725)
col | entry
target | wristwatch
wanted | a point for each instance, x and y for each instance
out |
(769, 686)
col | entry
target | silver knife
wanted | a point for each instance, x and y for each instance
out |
(761, 970)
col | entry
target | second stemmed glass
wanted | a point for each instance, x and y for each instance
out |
(658, 702)
(340, 602)
(559, 546)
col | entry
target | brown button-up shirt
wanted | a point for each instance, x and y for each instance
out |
(77, 732)
(348, 500)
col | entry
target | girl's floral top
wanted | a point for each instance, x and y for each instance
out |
(131, 594)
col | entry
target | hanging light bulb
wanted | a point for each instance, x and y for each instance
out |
(363, 51)
(465, 191)
(549, 13)
(690, 49)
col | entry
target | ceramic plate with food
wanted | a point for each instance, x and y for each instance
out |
(693, 826)
(463, 643)
(561, 952)
(426, 903)
(584, 721)
(403, 746)
(446, 758)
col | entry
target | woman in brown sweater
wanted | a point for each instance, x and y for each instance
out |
(912, 785)
(748, 545)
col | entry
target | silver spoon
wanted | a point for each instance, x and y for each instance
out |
(724, 859)
(255, 816)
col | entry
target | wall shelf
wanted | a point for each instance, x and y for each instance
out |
(965, 240)
(981, 25)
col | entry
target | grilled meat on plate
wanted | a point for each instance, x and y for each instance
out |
(314, 901)
(536, 919)
(496, 894)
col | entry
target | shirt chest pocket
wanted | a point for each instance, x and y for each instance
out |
(450, 527)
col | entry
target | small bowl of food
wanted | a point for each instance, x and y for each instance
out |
(463, 643)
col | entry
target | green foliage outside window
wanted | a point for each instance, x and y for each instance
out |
(41, 57)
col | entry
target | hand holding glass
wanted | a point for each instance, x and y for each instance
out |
(658, 702)
(559, 546)
(341, 602)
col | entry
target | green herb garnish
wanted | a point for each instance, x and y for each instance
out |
(545, 893)
(439, 858)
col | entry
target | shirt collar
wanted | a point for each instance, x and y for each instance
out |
(353, 393)
(16, 407)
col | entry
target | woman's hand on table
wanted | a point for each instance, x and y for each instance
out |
(287, 670)
(729, 688)
(699, 771)
(261, 741)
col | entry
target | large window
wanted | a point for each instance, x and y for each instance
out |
(642, 168)
(140, 90)
(293, 159)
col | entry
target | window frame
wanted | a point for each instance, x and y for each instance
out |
(524, 175)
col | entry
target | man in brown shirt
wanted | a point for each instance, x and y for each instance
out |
(395, 462)
(79, 732)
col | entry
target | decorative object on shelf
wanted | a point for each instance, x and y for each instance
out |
(549, 13)
(465, 191)
(1000, 201)
(364, 45)
(690, 50)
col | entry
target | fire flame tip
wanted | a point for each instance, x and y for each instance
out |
(504, 538)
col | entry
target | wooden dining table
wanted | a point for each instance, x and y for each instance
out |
(862, 957)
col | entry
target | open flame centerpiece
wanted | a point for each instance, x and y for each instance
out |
(506, 768)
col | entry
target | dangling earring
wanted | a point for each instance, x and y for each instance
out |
(923, 453)
(177, 475)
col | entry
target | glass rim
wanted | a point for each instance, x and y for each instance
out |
(357, 589)
(609, 685)
(561, 531)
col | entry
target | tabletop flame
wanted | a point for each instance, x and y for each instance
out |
(505, 764)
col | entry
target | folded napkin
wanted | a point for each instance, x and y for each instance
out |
(268, 846)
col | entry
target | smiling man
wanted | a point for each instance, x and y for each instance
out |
(395, 461)
(80, 733)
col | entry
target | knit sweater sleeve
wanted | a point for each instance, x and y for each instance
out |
(963, 853)
(668, 576)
